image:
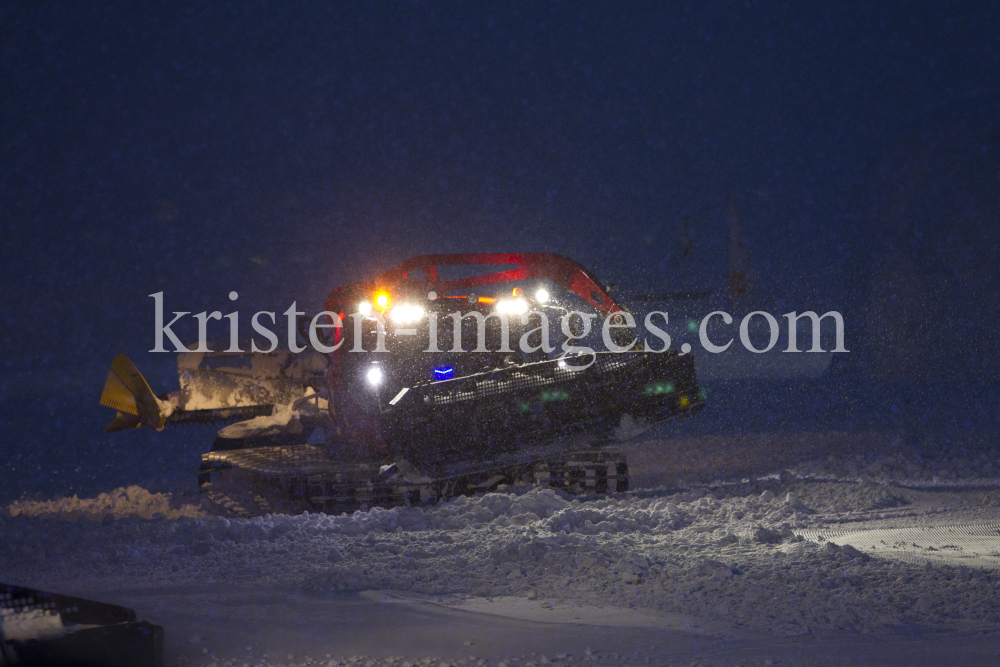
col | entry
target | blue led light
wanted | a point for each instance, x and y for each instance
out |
(445, 373)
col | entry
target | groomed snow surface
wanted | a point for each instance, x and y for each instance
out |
(828, 550)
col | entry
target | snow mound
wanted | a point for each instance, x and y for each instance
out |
(739, 559)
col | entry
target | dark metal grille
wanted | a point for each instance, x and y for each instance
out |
(530, 376)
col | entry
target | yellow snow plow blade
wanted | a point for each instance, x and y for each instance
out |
(128, 392)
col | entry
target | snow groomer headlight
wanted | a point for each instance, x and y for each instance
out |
(381, 304)
(406, 313)
(512, 306)
(374, 376)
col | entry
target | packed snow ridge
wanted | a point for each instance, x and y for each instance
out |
(896, 461)
(134, 502)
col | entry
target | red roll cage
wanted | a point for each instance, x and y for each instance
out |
(556, 268)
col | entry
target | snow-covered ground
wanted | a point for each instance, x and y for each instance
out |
(857, 552)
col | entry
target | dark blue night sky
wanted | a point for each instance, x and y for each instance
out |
(282, 149)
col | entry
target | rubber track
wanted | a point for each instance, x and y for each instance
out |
(302, 478)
